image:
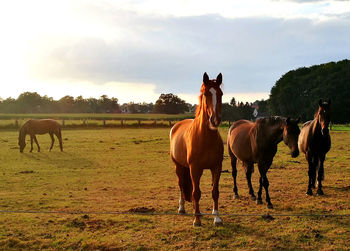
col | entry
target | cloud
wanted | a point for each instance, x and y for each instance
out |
(108, 44)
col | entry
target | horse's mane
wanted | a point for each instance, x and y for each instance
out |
(199, 107)
(270, 121)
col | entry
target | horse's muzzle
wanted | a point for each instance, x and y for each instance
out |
(295, 153)
(215, 121)
(325, 131)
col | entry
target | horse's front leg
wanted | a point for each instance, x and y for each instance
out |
(259, 199)
(31, 143)
(311, 172)
(215, 194)
(266, 186)
(320, 176)
(52, 141)
(248, 176)
(196, 194)
(263, 168)
(36, 142)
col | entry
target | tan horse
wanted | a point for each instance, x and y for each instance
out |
(315, 142)
(256, 142)
(195, 145)
(39, 126)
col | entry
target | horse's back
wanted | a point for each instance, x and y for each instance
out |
(42, 126)
(239, 140)
(178, 148)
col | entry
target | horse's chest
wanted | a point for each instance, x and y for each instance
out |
(207, 157)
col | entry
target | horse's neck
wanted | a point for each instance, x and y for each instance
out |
(22, 133)
(201, 119)
(274, 133)
(200, 124)
(316, 127)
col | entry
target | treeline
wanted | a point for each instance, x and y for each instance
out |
(297, 92)
(237, 110)
(32, 102)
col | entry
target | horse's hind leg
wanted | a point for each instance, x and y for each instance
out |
(52, 140)
(179, 170)
(36, 142)
(234, 174)
(320, 176)
(31, 143)
(215, 194)
(248, 174)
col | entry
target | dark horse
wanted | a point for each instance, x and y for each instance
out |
(315, 142)
(39, 126)
(196, 144)
(256, 142)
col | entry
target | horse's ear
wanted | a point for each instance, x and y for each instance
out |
(288, 120)
(329, 101)
(219, 79)
(205, 78)
(320, 102)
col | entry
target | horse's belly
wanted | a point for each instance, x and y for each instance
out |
(242, 149)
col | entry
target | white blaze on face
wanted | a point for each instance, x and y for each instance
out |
(213, 98)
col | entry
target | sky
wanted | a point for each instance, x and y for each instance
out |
(135, 50)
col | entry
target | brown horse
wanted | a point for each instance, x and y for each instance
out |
(39, 126)
(315, 142)
(256, 142)
(196, 144)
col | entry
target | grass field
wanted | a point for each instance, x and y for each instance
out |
(125, 170)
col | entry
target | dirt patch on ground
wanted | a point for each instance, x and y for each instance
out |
(141, 210)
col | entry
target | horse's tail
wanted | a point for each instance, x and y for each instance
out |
(185, 181)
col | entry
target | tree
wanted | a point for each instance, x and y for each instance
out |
(298, 91)
(170, 104)
(29, 102)
(233, 102)
(66, 104)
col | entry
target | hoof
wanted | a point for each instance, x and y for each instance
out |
(197, 223)
(270, 206)
(319, 192)
(259, 202)
(253, 197)
(181, 211)
(218, 222)
(236, 196)
(309, 192)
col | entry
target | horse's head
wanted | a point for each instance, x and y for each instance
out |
(21, 141)
(291, 133)
(212, 95)
(324, 115)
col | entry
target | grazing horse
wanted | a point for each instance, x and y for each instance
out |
(315, 142)
(39, 126)
(256, 142)
(196, 144)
